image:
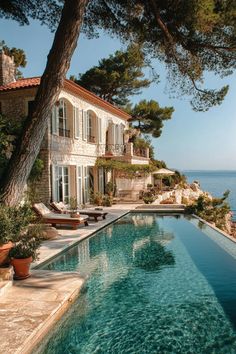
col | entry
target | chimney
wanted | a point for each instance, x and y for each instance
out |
(7, 69)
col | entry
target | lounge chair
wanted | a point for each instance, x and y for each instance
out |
(63, 209)
(49, 217)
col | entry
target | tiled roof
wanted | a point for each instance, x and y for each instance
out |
(71, 87)
(21, 83)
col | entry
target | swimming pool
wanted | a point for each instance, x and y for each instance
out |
(155, 284)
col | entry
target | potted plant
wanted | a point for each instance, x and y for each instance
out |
(13, 221)
(98, 198)
(107, 200)
(25, 251)
(110, 188)
(73, 204)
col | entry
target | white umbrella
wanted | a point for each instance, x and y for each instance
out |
(163, 172)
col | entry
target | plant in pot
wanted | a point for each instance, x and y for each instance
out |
(148, 197)
(107, 200)
(98, 198)
(110, 188)
(13, 222)
(25, 251)
(73, 204)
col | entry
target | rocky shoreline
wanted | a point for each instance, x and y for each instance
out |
(188, 194)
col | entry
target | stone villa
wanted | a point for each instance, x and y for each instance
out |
(82, 128)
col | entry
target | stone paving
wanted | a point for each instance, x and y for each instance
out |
(30, 307)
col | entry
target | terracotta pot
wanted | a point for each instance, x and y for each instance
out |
(21, 267)
(4, 251)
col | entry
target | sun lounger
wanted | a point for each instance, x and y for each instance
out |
(49, 217)
(63, 209)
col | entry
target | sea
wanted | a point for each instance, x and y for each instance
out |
(216, 182)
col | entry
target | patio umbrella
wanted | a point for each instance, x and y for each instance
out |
(163, 172)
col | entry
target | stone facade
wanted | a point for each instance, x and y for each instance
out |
(73, 151)
(7, 69)
(82, 128)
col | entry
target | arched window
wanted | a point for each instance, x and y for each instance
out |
(60, 119)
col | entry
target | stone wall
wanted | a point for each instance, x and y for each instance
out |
(14, 104)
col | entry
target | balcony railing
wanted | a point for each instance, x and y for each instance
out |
(111, 149)
(64, 132)
(142, 152)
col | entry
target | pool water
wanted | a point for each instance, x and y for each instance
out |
(154, 284)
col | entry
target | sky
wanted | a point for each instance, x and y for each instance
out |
(190, 140)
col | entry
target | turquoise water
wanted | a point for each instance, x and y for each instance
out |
(153, 285)
(216, 182)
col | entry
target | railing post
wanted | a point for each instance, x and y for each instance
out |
(129, 149)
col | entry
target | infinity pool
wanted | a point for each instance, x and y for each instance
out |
(155, 284)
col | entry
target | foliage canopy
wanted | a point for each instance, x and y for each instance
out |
(150, 117)
(189, 37)
(117, 77)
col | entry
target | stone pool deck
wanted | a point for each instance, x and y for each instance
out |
(29, 308)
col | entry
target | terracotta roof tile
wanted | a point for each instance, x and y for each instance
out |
(21, 83)
(71, 87)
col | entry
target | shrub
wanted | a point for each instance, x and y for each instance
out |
(148, 197)
(28, 244)
(14, 221)
(212, 210)
(107, 200)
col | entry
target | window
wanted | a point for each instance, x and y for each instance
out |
(89, 119)
(61, 184)
(60, 119)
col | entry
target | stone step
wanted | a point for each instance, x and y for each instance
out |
(4, 286)
(162, 206)
(6, 273)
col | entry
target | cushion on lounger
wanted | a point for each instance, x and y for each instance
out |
(42, 209)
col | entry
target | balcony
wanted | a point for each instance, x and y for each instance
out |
(111, 149)
(126, 151)
(141, 152)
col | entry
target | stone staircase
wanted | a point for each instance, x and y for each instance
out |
(174, 208)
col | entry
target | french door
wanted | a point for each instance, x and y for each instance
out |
(61, 184)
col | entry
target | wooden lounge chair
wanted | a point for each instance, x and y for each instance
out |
(49, 217)
(63, 209)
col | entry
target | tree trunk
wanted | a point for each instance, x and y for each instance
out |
(58, 62)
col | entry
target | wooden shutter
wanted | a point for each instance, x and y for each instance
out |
(85, 122)
(76, 122)
(55, 122)
(54, 186)
(99, 120)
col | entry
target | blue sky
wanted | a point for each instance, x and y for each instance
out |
(190, 140)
